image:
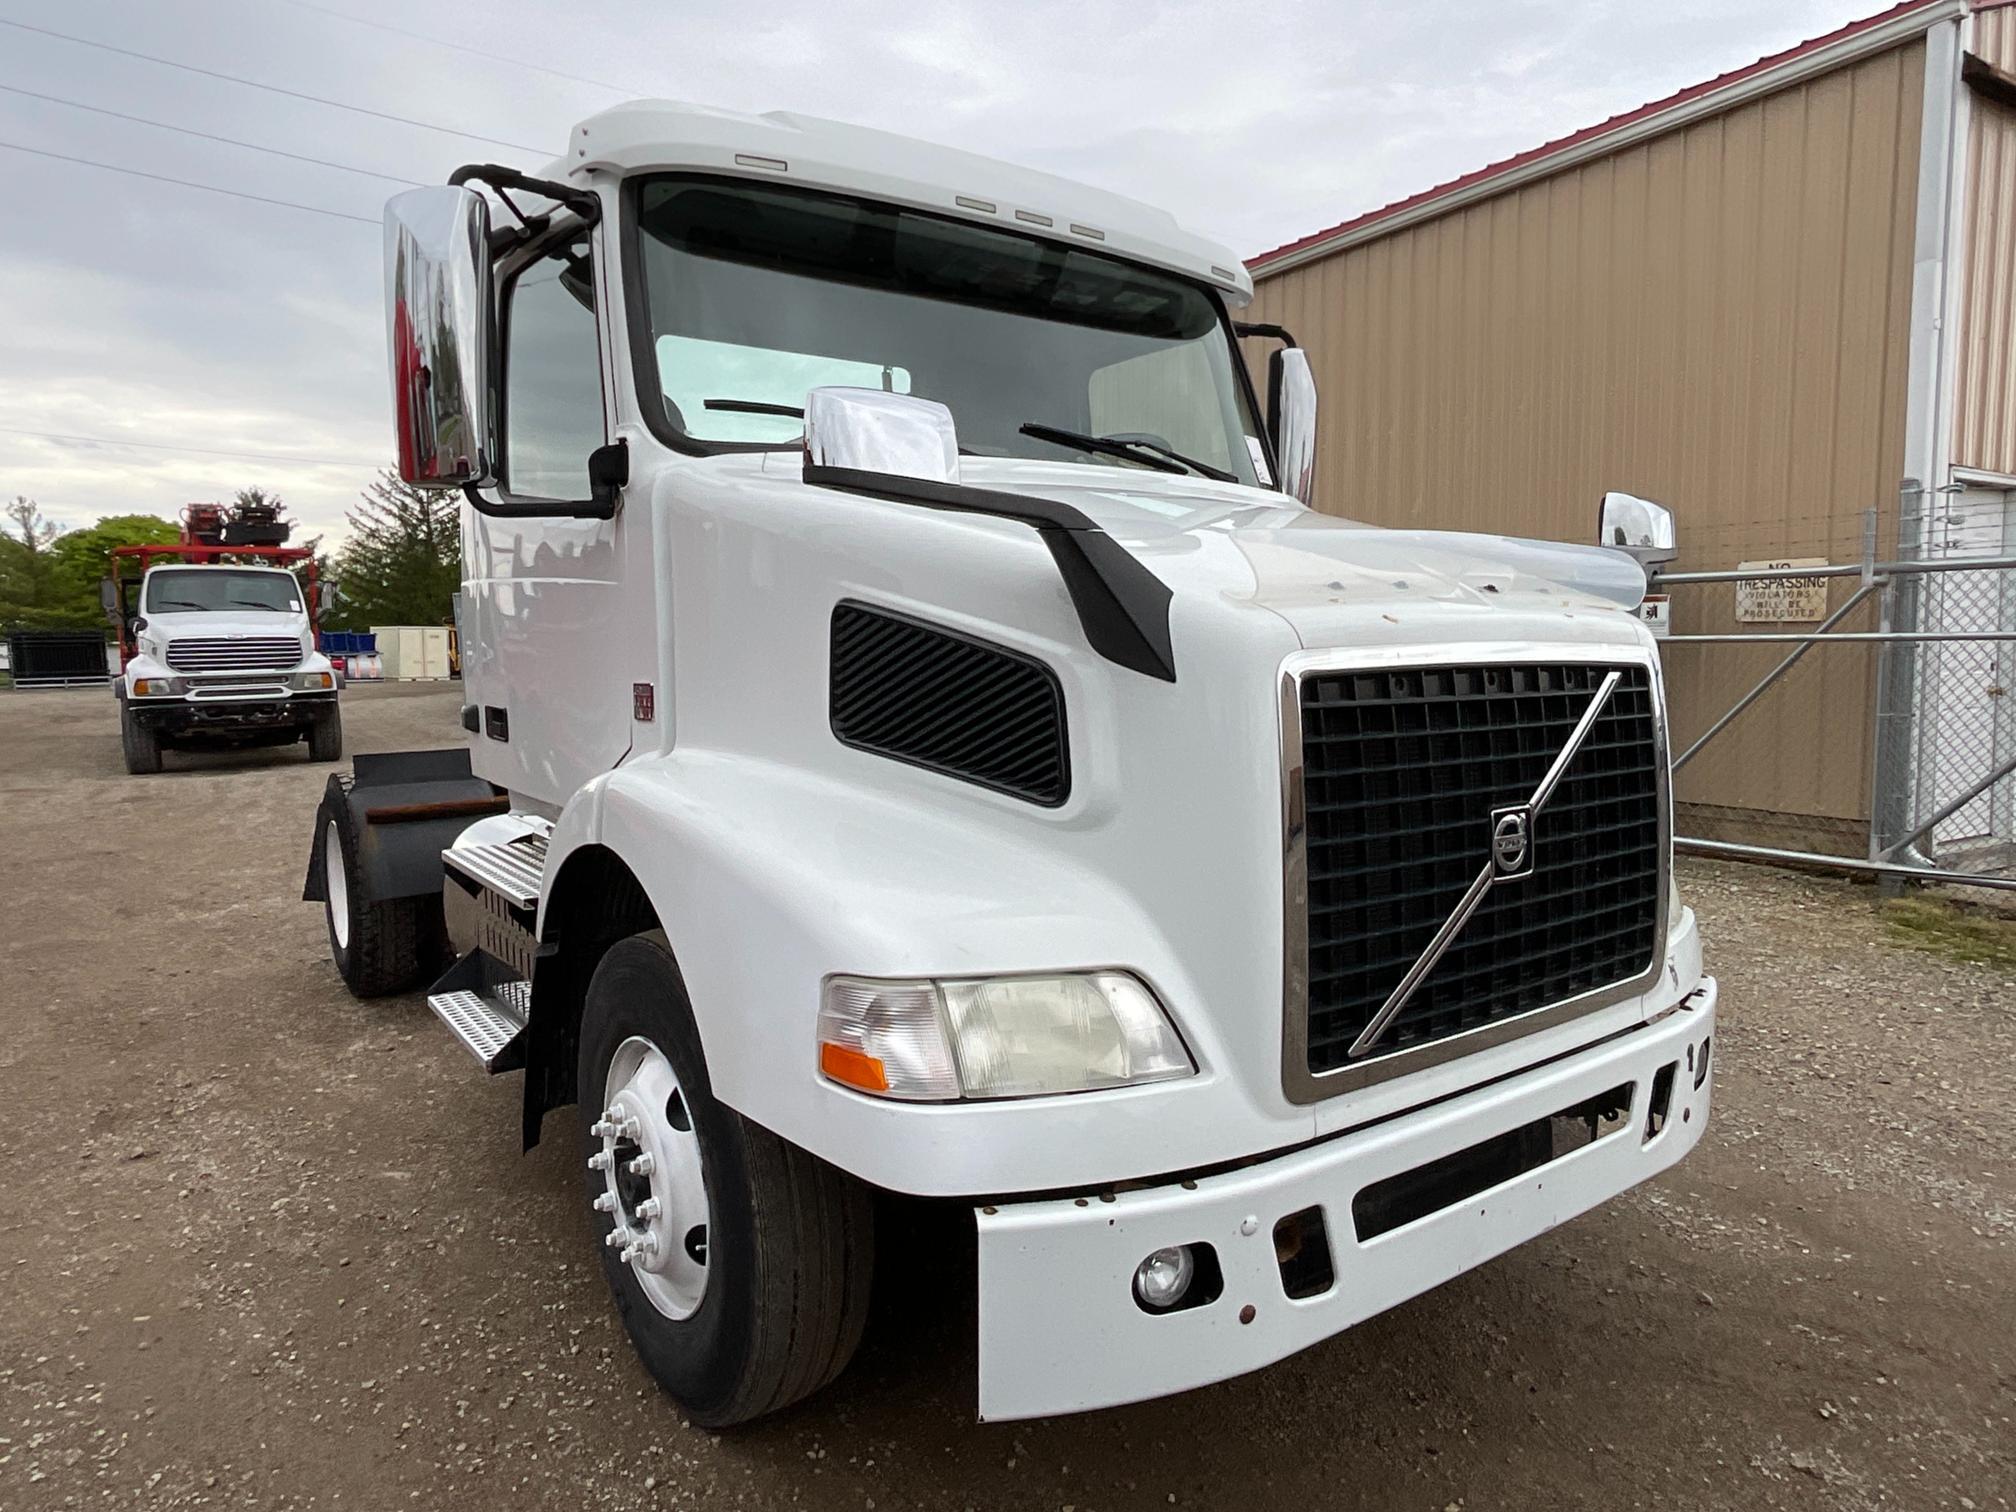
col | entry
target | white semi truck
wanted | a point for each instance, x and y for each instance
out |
(921, 739)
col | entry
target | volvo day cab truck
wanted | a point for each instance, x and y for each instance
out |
(217, 641)
(921, 739)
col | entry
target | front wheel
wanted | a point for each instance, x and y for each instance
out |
(141, 745)
(740, 1264)
(325, 736)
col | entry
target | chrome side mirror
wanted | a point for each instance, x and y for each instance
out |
(868, 430)
(1639, 528)
(108, 598)
(1291, 420)
(439, 314)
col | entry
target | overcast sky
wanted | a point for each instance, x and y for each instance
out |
(139, 311)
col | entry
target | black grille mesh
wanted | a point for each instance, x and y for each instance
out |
(1402, 769)
(945, 701)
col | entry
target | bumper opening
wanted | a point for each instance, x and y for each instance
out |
(1427, 1189)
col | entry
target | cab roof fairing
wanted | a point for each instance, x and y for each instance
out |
(780, 146)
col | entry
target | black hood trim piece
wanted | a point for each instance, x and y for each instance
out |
(1123, 607)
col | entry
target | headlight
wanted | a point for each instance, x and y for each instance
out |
(314, 681)
(153, 687)
(1020, 1036)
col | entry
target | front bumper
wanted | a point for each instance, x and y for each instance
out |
(1060, 1330)
(233, 708)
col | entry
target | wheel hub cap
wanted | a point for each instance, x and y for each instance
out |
(653, 1187)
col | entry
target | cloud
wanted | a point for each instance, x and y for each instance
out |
(146, 312)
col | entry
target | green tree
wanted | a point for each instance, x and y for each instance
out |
(28, 579)
(83, 557)
(403, 561)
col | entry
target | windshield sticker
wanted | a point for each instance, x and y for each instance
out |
(1259, 455)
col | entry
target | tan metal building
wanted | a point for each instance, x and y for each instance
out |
(1773, 302)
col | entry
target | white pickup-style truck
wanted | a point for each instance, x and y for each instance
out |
(920, 738)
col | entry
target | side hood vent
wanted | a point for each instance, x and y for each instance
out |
(935, 698)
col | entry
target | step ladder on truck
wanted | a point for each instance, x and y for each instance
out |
(217, 640)
(920, 739)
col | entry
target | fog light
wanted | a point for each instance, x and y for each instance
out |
(1161, 1280)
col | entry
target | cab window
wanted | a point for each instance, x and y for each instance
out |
(552, 376)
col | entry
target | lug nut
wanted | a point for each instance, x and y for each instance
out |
(605, 1202)
(643, 1165)
(601, 1160)
(649, 1209)
(617, 1237)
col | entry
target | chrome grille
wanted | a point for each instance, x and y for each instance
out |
(1402, 770)
(260, 653)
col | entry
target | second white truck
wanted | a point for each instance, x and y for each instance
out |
(920, 738)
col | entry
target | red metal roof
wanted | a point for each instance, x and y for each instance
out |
(1615, 123)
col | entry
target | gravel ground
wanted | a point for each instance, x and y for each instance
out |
(265, 1246)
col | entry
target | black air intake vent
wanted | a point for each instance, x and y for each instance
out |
(938, 699)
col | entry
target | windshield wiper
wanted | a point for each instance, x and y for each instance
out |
(1129, 449)
(160, 604)
(754, 407)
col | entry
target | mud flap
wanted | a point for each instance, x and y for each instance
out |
(404, 808)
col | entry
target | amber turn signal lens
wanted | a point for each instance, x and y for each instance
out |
(853, 1068)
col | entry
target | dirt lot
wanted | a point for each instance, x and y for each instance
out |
(262, 1245)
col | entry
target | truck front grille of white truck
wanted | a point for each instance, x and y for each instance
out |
(191, 653)
(1405, 771)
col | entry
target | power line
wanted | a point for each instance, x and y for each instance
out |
(292, 94)
(162, 178)
(120, 115)
(205, 451)
(474, 52)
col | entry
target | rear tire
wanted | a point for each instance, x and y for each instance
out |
(382, 947)
(788, 1242)
(325, 736)
(141, 745)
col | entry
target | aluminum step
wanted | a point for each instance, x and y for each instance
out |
(512, 870)
(486, 1022)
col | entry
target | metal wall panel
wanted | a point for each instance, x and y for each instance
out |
(1984, 412)
(1715, 318)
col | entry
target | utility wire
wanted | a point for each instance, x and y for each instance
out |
(162, 178)
(474, 52)
(292, 94)
(205, 451)
(120, 115)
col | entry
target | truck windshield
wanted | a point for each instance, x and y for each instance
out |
(756, 294)
(221, 590)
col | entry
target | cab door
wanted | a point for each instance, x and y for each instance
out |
(557, 611)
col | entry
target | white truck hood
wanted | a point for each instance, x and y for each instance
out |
(217, 625)
(1328, 576)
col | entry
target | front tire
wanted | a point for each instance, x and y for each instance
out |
(754, 1290)
(142, 746)
(325, 736)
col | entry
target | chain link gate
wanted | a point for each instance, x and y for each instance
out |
(1939, 738)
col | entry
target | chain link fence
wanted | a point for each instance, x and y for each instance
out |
(1856, 713)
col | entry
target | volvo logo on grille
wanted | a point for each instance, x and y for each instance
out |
(1512, 841)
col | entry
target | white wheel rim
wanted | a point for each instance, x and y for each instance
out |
(336, 884)
(653, 1185)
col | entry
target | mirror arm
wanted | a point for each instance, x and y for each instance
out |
(1266, 328)
(608, 476)
(583, 202)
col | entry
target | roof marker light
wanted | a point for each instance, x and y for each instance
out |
(767, 164)
(967, 202)
(1033, 218)
(1092, 231)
